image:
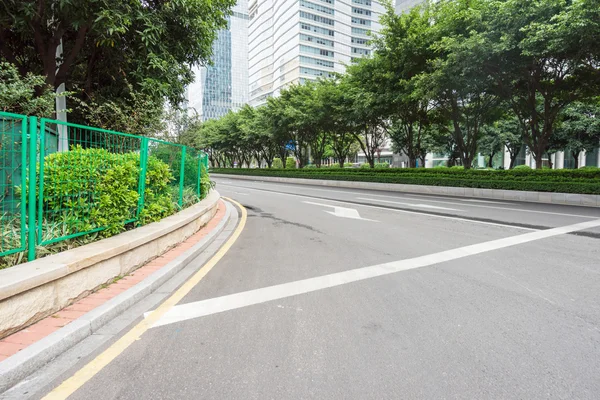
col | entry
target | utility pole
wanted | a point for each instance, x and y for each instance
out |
(61, 107)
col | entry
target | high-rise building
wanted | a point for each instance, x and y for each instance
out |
(404, 5)
(223, 85)
(291, 41)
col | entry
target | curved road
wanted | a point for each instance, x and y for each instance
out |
(353, 294)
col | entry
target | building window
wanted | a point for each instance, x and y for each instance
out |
(316, 7)
(314, 50)
(361, 21)
(316, 29)
(316, 61)
(364, 2)
(328, 1)
(364, 52)
(317, 40)
(315, 72)
(361, 11)
(359, 31)
(361, 41)
(317, 18)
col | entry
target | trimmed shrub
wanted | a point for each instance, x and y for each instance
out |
(348, 165)
(290, 163)
(567, 181)
(277, 163)
(522, 167)
(365, 166)
(382, 165)
(86, 189)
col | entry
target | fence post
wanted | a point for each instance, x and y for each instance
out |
(199, 177)
(182, 175)
(31, 187)
(143, 169)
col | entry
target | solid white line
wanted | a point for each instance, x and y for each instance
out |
(238, 300)
(395, 210)
(425, 198)
(410, 204)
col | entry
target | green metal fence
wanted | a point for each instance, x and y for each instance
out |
(71, 187)
(13, 170)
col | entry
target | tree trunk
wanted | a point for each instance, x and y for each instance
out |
(513, 159)
(491, 161)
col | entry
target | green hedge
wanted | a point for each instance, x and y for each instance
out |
(584, 181)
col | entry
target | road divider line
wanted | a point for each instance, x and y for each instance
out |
(410, 204)
(216, 305)
(72, 384)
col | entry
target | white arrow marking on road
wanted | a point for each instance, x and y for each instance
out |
(342, 212)
(410, 204)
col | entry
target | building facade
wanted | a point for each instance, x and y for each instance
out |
(223, 85)
(404, 5)
(292, 41)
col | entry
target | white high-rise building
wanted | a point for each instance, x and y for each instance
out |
(223, 85)
(405, 5)
(291, 41)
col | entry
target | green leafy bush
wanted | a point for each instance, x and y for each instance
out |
(89, 189)
(348, 165)
(382, 165)
(290, 163)
(310, 166)
(565, 180)
(277, 163)
(365, 166)
(522, 167)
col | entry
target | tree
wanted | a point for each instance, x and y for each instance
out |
(511, 133)
(543, 55)
(109, 45)
(402, 53)
(29, 95)
(579, 129)
(462, 92)
(367, 111)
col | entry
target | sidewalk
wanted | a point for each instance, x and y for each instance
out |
(18, 341)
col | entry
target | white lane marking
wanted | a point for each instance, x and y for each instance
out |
(424, 198)
(486, 201)
(243, 194)
(238, 300)
(410, 204)
(341, 212)
(270, 192)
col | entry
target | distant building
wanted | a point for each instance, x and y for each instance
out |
(292, 41)
(223, 85)
(403, 5)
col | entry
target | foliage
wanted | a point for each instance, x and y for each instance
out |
(108, 197)
(459, 77)
(290, 163)
(277, 163)
(111, 47)
(29, 94)
(566, 181)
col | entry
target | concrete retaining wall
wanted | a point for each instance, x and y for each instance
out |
(34, 290)
(588, 200)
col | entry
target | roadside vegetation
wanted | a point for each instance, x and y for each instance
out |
(456, 77)
(583, 181)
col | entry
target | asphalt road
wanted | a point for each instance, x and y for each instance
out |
(352, 294)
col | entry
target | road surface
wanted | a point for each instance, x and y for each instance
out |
(353, 294)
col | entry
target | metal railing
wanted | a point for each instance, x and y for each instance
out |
(49, 196)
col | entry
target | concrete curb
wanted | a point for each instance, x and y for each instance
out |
(25, 362)
(572, 199)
